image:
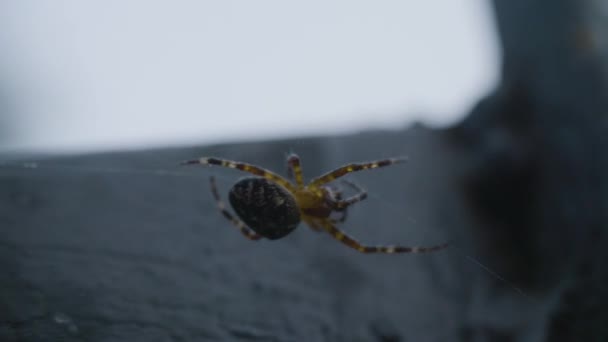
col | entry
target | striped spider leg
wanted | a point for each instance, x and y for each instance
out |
(265, 204)
(250, 234)
(294, 169)
(250, 168)
(352, 243)
(353, 167)
(341, 205)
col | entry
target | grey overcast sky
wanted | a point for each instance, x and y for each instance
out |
(94, 75)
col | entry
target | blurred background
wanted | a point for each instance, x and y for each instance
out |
(509, 165)
(104, 75)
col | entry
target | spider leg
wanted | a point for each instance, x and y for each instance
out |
(348, 168)
(314, 226)
(342, 218)
(250, 234)
(343, 204)
(295, 169)
(338, 197)
(352, 243)
(256, 170)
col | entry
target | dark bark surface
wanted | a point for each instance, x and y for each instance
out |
(123, 256)
(536, 180)
(130, 247)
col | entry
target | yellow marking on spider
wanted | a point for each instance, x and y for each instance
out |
(297, 170)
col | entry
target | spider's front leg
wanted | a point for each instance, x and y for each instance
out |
(250, 168)
(354, 167)
(358, 197)
(341, 206)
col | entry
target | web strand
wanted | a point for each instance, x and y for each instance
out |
(42, 166)
(462, 253)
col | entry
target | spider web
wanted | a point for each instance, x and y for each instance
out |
(228, 178)
(453, 247)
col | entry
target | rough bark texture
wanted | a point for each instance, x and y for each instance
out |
(104, 248)
(148, 257)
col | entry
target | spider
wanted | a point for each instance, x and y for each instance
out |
(270, 206)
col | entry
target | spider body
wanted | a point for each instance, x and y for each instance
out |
(315, 204)
(270, 206)
(266, 207)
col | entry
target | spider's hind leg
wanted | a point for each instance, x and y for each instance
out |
(352, 243)
(250, 234)
(314, 226)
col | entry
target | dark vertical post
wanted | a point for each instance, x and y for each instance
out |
(537, 176)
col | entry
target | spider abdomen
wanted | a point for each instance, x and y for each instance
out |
(266, 207)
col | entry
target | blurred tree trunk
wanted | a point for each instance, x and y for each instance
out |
(538, 161)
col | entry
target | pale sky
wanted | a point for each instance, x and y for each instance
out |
(95, 75)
